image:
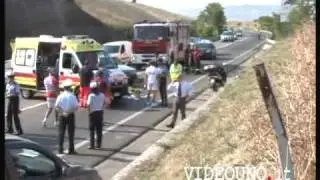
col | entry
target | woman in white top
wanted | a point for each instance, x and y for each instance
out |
(96, 103)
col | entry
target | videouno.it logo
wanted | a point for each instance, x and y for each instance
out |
(226, 172)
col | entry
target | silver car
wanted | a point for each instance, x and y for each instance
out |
(227, 36)
(30, 161)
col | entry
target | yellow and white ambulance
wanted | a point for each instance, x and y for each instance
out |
(31, 57)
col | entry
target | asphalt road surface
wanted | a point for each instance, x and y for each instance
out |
(126, 121)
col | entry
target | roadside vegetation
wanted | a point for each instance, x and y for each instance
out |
(238, 130)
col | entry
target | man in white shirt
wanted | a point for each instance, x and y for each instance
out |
(96, 103)
(51, 84)
(151, 81)
(66, 105)
(182, 90)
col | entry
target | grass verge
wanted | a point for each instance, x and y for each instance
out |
(237, 130)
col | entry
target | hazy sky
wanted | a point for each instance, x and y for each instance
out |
(176, 5)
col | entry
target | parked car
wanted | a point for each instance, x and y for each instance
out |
(131, 72)
(30, 161)
(227, 36)
(207, 48)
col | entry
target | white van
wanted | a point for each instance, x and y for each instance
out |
(121, 50)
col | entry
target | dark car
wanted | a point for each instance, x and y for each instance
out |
(30, 161)
(208, 50)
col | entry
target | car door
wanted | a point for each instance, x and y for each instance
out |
(32, 163)
(69, 67)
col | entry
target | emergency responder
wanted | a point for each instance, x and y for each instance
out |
(182, 90)
(151, 82)
(66, 105)
(13, 92)
(86, 76)
(51, 85)
(96, 103)
(175, 70)
(196, 58)
(163, 81)
(187, 58)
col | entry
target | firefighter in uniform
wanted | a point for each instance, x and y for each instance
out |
(163, 81)
(96, 103)
(66, 105)
(13, 92)
(182, 90)
(175, 70)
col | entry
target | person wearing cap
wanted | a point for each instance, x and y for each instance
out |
(66, 105)
(86, 76)
(163, 81)
(96, 103)
(51, 85)
(175, 70)
(182, 90)
(151, 82)
(13, 92)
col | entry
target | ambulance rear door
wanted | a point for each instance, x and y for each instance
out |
(69, 67)
(24, 62)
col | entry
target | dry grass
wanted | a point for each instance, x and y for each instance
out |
(121, 13)
(238, 129)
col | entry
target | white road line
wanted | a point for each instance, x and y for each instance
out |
(242, 54)
(82, 143)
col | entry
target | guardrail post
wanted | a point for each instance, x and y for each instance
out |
(277, 121)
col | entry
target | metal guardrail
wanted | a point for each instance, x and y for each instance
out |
(277, 121)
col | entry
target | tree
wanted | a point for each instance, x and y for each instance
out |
(211, 20)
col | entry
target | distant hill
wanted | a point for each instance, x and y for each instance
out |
(238, 13)
(104, 20)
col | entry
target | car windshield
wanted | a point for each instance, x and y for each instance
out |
(205, 45)
(111, 48)
(227, 33)
(151, 33)
(106, 61)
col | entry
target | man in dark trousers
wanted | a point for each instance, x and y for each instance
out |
(13, 92)
(66, 105)
(182, 90)
(164, 72)
(86, 76)
(96, 103)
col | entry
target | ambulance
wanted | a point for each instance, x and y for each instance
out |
(32, 56)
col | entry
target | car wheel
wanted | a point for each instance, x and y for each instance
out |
(27, 94)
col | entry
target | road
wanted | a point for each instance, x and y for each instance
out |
(125, 122)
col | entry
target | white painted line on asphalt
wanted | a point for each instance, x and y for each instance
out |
(82, 143)
(242, 54)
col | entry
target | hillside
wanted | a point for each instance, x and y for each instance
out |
(104, 20)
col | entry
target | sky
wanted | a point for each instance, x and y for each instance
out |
(177, 5)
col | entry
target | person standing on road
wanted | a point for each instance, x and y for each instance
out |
(96, 103)
(52, 89)
(182, 90)
(66, 105)
(151, 82)
(103, 86)
(163, 81)
(86, 76)
(175, 70)
(13, 92)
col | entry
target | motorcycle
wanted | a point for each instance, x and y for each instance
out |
(216, 76)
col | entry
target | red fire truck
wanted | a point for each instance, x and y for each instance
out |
(168, 39)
